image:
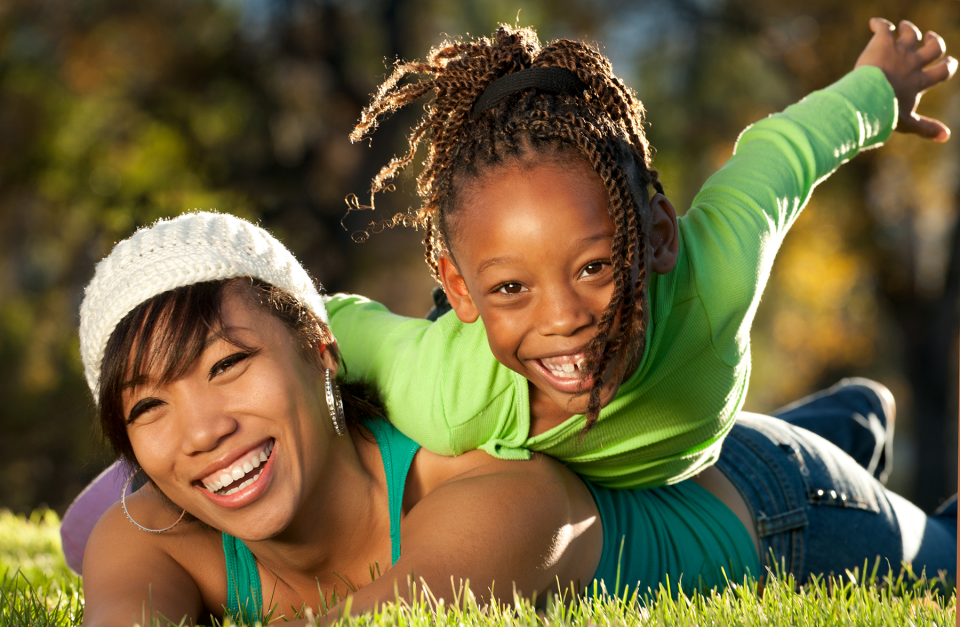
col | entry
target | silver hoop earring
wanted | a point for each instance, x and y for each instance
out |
(123, 503)
(334, 403)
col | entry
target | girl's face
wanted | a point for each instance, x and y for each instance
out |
(533, 260)
(238, 440)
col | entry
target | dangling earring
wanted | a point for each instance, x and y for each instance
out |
(334, 403)
(123, 503)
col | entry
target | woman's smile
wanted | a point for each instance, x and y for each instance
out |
(243, 481)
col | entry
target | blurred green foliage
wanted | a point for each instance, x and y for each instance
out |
(116, 112)
(30, 545)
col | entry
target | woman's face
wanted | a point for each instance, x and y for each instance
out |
(239, 440)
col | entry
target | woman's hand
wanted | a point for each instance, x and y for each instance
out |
(905, 60)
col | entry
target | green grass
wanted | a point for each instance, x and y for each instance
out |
(38, 589)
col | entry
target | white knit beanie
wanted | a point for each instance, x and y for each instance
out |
(188, 249)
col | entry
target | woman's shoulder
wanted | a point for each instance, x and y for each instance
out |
(541, 471)
(182, 569)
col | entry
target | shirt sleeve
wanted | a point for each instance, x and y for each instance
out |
(439, 382)
(731, 234)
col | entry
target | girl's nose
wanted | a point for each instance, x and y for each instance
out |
(563, 312)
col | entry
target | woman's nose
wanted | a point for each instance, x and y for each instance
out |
(563, 312)
(205, 424)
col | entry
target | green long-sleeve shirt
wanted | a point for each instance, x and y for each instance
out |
(443, 388)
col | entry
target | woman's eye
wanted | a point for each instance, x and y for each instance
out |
(593, 268)
(511, 288)
(226, 363)
(142, 407)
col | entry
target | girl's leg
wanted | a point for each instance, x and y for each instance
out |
(857, 415)
(819, 512)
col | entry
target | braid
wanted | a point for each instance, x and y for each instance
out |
(603, 126)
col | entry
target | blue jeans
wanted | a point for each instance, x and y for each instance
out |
(818, 511)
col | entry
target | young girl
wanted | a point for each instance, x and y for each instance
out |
(545, 218)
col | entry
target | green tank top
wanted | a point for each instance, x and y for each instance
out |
(679, 536)
(243, 579)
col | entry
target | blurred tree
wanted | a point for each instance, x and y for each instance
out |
(116, 112)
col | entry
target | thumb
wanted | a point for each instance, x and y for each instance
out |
(925, 127)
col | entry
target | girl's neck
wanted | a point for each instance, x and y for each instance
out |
(544, 413)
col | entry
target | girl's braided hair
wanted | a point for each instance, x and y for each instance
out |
(603, 126)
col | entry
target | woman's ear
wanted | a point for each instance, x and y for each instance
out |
(328, 357)
(456, 289)
(664, 237)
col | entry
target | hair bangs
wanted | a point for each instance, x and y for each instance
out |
(155, 343)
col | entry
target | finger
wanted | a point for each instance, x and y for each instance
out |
(909, 34)
(940, 72)
(881, 26)
(925, 127)
(932, 49)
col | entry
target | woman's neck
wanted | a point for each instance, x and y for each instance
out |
(342, 528)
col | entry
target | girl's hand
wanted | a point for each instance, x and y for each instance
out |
(904, 60)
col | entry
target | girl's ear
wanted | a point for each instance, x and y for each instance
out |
(456, 289)
(664, 237)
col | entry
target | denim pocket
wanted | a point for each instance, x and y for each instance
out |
(831, 478)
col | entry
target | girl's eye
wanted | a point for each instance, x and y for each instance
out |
(595, 267)
(511, 288)
(142, 407)
(226, 363)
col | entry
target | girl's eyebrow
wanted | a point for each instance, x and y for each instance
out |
(503, 259)
(496, 261)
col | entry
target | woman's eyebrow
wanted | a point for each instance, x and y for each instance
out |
(222, 334)
(133, 383)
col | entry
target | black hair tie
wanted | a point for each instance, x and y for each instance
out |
(553, 80)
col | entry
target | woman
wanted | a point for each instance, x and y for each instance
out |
(203, 341)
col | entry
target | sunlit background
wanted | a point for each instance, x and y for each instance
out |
(116, 112)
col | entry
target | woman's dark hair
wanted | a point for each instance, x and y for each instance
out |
(164, 335)
(602, 125)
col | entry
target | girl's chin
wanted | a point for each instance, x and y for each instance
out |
(577, 403)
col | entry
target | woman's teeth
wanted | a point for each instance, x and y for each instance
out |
(565, 367)
(237, 471)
